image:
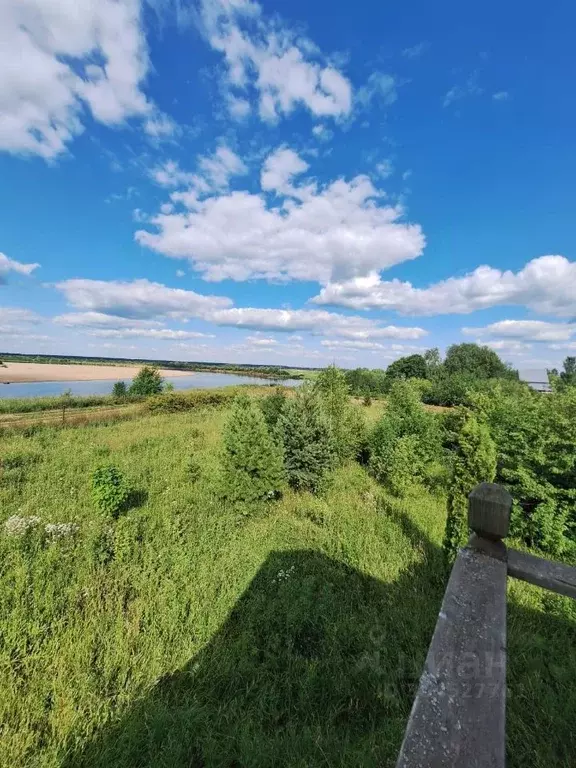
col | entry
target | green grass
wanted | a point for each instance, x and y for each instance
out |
(189, 634)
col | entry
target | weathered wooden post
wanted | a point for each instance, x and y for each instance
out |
(458, 716)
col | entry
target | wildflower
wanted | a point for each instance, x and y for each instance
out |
(57, 531)
(17, 525)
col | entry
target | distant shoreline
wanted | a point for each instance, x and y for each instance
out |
(20, 373)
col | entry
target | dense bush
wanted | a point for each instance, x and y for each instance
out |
(535, 437)
(173, 402)
(252, 462)
(109, 490)
(306, 438)
(473, 462)
(363, 381)
(405, 442)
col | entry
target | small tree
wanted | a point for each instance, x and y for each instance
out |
(568, 375)
(405, 430)
(109, 490)
(119, 390)
(306, 440)
(474, 462)
(147, 381)
(251, 461)
(272, 406)
(343, 417)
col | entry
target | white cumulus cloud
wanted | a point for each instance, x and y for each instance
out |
(322, 233)
(531, 330)
(8, 265)
(266, 58)
(138, 299)
(544, 285)
(62, 58)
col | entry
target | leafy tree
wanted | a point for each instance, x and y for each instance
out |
(474, 462)
(344, 418)
(272, 406)
(568, 375)
(411, 367)
(147, 381)
(307, 441)
(251, 461)
(477, 361)
(433, 361)
(363, 381)
(119, 390)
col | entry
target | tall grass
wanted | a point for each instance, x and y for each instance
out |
(192, 633)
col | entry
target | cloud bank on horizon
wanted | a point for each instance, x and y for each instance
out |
(214, 180)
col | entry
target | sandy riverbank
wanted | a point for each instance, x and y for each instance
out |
(22, 372)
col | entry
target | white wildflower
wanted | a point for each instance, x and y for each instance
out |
(18, 525)
(57, 531)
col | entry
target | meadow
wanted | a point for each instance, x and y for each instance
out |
(191, 631)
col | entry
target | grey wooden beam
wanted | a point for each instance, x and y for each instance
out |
(544, 573)
(458, 718)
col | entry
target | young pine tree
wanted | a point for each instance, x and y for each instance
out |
(474, 462)
(307, 441)
(252, 461)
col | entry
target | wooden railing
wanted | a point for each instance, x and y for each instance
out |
(459, 714)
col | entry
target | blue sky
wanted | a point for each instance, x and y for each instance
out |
(287, 183)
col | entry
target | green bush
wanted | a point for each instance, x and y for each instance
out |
(405, 441)
(109, 490)
(306, 440)
(175, 402)
(474, 461)
(251, 462)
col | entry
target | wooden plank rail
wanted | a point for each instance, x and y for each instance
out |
(458, 718)
(556, 577)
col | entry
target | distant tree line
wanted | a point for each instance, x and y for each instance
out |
(445, 382)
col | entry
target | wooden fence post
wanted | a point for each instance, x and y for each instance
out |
(458, 716)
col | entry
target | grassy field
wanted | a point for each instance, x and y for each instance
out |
(189, 633)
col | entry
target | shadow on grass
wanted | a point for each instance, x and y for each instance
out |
(316, 665)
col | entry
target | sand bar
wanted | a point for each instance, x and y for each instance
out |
(21, 372)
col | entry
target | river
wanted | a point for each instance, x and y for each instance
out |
(194, 381)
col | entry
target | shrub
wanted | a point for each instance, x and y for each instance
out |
(344, 419)
(474, 461)
(109, 490)
(405, 441)
(251, 462)
(306, 440)
(175, 402)
(147, 381)
(193, 469)
(272, 406)
(120, 390)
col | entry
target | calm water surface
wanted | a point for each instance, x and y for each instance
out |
(196, 381)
